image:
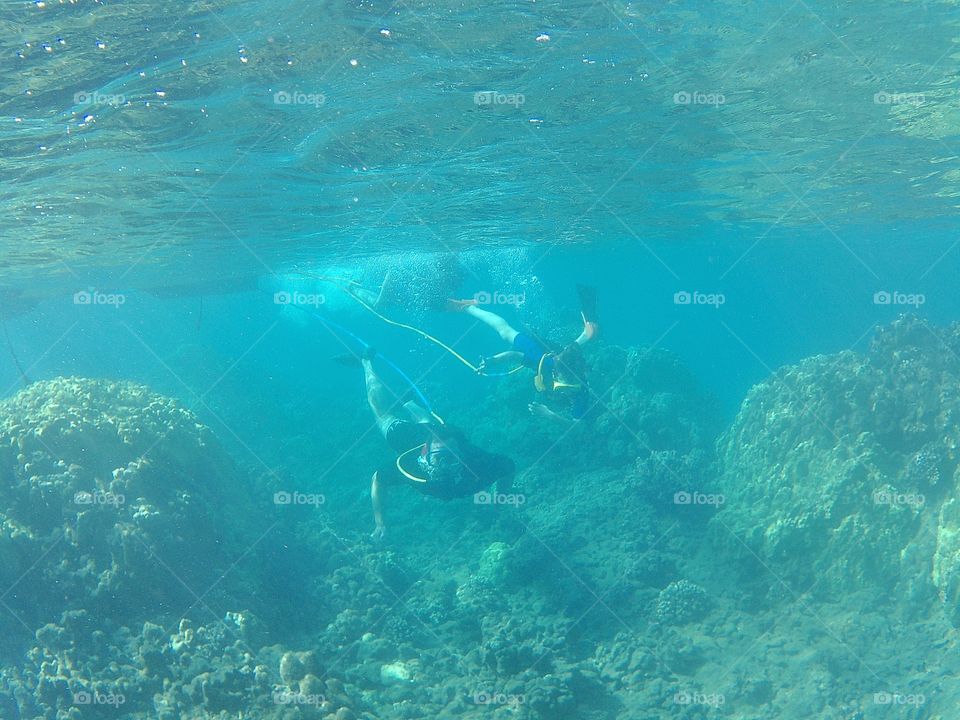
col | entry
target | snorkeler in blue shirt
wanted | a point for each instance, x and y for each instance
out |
(558, 375)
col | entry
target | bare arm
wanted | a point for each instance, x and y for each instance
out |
(510, 356)
(541, 410)
(376, 497)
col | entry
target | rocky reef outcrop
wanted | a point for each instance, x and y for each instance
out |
(629, 572)
(840, 473)
(113, 499)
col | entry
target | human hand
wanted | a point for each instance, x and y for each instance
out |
(379, 532)
(539, 409)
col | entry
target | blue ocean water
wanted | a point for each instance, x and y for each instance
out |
(748, 511)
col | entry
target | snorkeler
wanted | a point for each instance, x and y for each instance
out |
(433, 457)
(560, 376)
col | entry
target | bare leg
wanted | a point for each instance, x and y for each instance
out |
(379, 397)
(494, 321)
(384, 296)
(419, 414)
(388, 290)
(590, 330)
(376, 498)
(382, 401)
(370, 297)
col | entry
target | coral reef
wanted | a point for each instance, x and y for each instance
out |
(203, 672)
(649, 402)
(838, 472)
(114, 499)
(631, 582)
(680, 602)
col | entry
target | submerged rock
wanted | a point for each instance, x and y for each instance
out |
(681, 602)
(398, 673)
(118, 510)
(492, 566)
(115, 499)
(840, 472)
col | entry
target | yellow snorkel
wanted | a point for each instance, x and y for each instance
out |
(540, 383)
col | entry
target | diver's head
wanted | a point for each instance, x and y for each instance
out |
(441, 457)
(569, 369)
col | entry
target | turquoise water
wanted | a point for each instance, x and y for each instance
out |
(755, 514)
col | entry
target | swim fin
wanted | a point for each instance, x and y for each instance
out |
(588, 303)
(354, 360)
(347, 360)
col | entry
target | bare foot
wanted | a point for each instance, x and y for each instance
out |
(460, 305)
(590, 329)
